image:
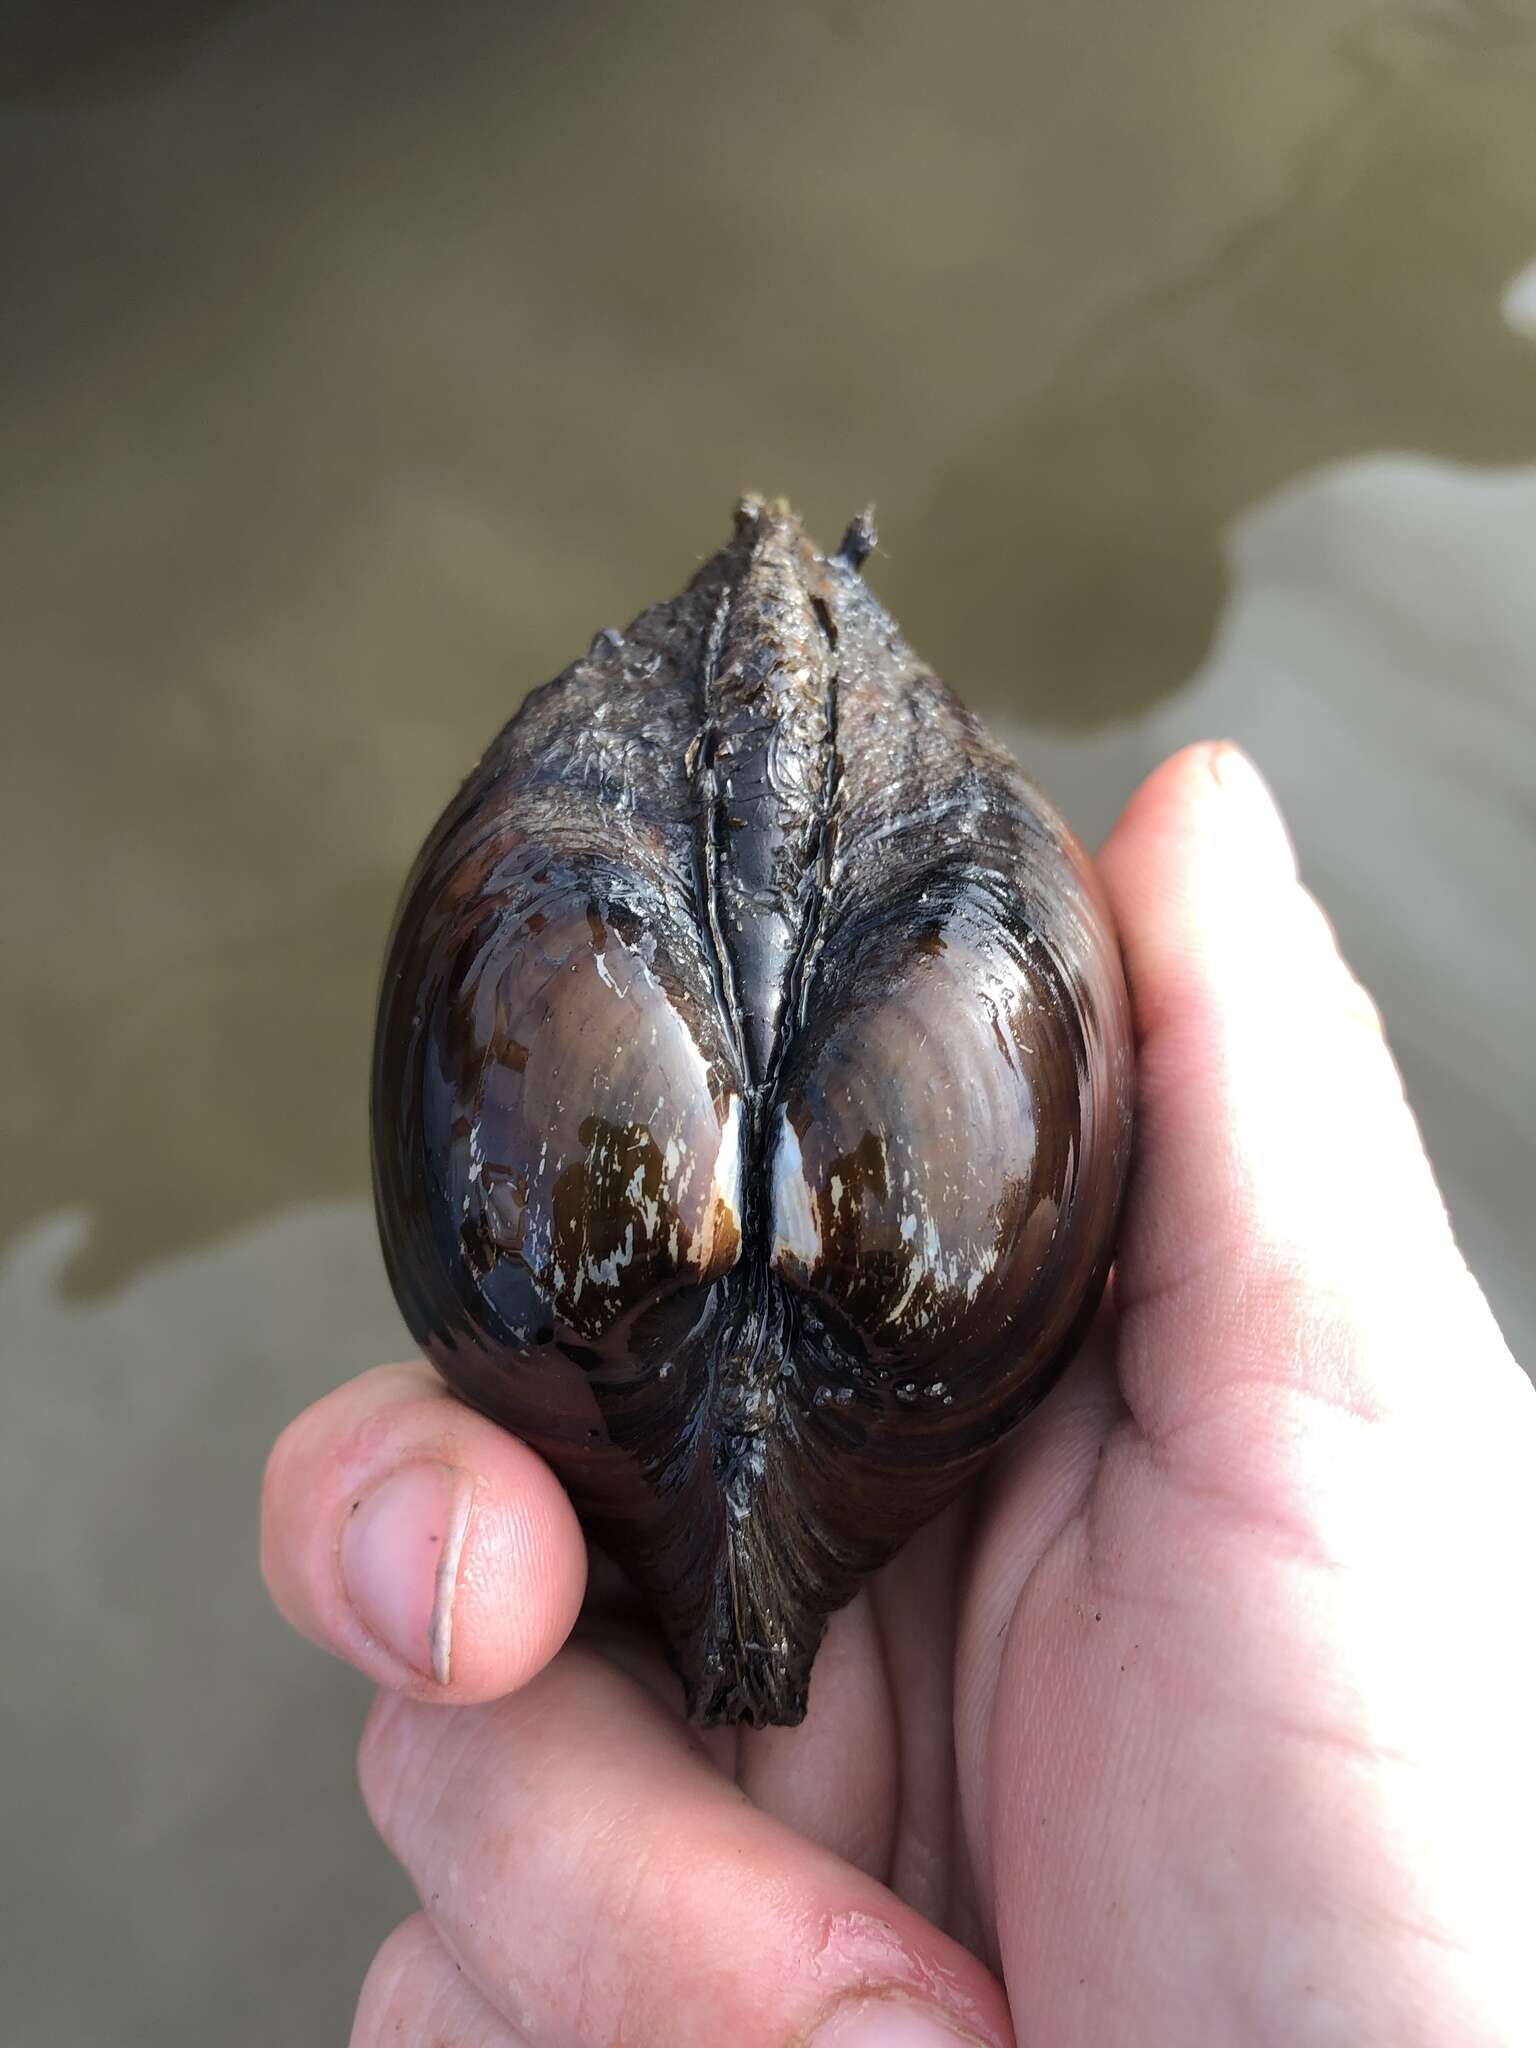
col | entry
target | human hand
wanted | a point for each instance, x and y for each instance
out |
(1205, 1721)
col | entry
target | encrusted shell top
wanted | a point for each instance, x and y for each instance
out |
(752, 1098)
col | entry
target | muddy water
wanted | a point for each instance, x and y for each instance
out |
(356, 363)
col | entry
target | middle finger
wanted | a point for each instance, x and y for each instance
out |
(596, 1875)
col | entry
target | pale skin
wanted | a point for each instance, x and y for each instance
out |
(1206, 1721)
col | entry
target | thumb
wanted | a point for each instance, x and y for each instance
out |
(1289, 1790)
(1285, 1239)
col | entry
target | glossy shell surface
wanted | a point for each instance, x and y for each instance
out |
(752, 1099)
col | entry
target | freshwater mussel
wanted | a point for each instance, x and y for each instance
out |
(751, 1099)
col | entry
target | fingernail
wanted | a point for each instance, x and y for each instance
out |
(889, 2023)
(1256, 831)
(1234, 773)
(400, 1562)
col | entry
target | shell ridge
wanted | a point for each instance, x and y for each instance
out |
(767, 736)
(707, 852)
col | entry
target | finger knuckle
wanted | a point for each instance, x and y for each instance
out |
(401, 1983)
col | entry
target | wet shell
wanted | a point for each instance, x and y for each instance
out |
(751, 1099)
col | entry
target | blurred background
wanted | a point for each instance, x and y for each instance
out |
(358, 363)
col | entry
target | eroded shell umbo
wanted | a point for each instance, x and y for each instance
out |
(752, 1098)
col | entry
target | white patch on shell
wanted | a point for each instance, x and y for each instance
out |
(947, 1274)
(723, 1200)
(472, 1187)
(795, 1236)
(605, 1272)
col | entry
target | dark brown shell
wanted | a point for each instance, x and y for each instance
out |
(752, 1099)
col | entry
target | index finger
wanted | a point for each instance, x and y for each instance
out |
(420, 1541)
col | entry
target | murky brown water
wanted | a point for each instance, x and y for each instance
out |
(359, 362)
(356, 362)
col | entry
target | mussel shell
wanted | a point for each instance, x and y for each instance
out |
(752, 1099)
